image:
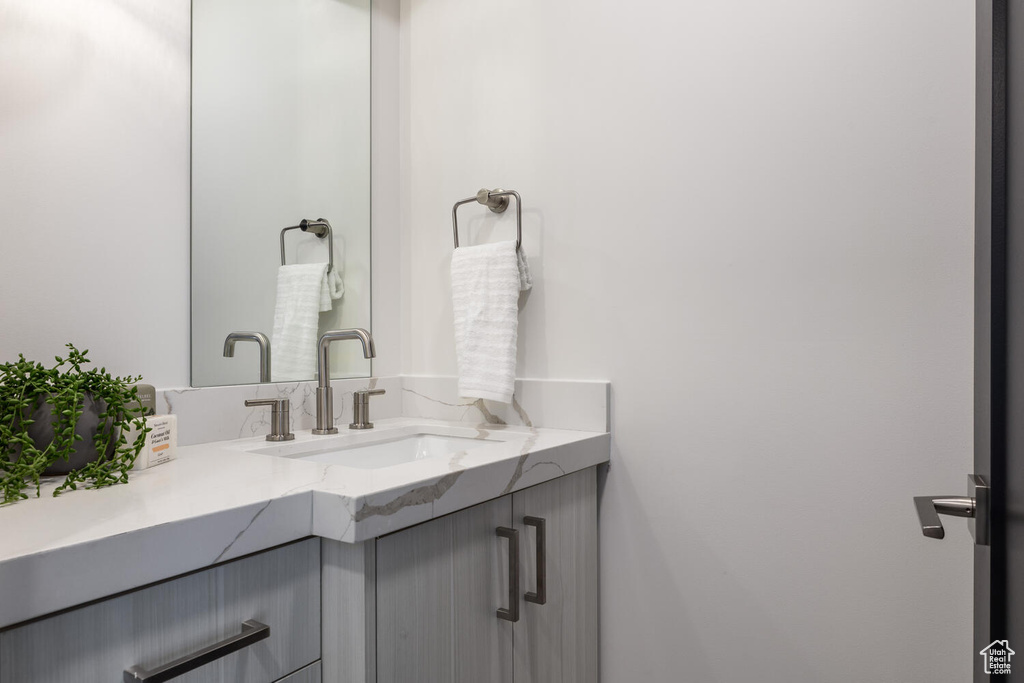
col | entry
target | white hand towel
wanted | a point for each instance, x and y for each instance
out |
(525, 278)
(296, 321)
(332, 288)
(486, 281)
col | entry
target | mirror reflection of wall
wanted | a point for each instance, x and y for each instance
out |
(280, 132)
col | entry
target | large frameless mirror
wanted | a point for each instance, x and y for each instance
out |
(280, 135)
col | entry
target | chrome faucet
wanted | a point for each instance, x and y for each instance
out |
(264, 344)
(324, 393)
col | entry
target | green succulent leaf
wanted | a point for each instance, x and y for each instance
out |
(25, 384)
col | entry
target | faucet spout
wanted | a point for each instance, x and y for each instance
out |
(324, 350)
(324, 393)
(261, 340)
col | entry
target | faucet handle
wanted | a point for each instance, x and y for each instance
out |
(361, 408)
(362, 396)
(280, 410)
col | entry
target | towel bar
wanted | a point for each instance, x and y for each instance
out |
(497, 201)
(321, 228)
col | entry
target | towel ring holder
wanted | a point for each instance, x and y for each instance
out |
(321, 228)
(497, 201)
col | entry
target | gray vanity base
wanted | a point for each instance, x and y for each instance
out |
(416, 605)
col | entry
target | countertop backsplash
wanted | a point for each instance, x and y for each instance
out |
(209, 414)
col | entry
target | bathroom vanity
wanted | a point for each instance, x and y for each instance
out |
(475, 565)
(419, 604)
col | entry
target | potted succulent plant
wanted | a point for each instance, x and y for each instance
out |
(66, 420)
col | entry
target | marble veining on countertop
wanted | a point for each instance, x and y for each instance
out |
(219, 501)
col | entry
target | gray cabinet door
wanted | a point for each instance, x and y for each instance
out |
(158, 624)
(557, 642)
(439, 586)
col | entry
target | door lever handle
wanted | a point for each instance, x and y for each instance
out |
(974, 507)
(930, 507)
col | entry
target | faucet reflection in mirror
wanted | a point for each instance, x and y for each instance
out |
(261, 340)
(324, 393)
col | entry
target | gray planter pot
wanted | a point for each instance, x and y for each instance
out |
(41, 433)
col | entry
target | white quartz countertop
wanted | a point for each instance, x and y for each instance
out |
(218, 501)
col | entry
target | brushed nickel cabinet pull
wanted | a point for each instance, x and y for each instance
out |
(252, 632)
(541, 596)
(512, 612)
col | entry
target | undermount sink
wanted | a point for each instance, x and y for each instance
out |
(394, 449)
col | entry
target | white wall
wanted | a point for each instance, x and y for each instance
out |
(755, 219)
(94, 184)
(94, 167)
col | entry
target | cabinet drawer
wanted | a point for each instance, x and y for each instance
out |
(153, 626)
(311, 674)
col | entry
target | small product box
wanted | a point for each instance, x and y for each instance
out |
(147, 399)
(161, 442)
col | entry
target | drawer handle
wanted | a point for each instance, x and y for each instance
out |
(512, 613)
(541, 596)
(252, 632)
